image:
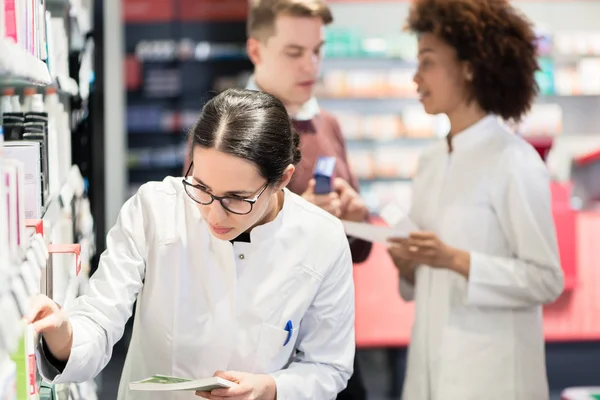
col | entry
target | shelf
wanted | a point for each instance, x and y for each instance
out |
(17, 65)
(397, 141)
(384, 179)
(21, 278)
(370, 63)
(73, 187)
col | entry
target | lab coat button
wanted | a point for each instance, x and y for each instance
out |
(241, 256)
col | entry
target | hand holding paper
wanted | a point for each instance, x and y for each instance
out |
(378, 233)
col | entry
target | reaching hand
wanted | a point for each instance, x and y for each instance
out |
(249, 387)
(52, 322)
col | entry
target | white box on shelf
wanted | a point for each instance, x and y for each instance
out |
(8, 378)
(3, 225)
(10, 331)
(66, 264)
(9, 180)
(2, 34)
(28, 152)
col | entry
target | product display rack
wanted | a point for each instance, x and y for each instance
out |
(175, 62)
(53, 246)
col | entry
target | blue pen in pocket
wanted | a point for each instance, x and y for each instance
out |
(289, 329)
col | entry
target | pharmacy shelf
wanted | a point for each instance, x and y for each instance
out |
(17, 65)
(368, 63)
(391, 141)
(61, 200)
(384, 179)
(23, 284)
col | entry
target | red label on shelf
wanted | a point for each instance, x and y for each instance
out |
(148, 10)
(38, 224)
(214, 10)
(133, 73)
(32, 374)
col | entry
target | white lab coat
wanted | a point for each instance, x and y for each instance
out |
(483, 338)
(204, 304)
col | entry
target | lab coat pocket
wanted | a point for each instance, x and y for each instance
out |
(274, 349)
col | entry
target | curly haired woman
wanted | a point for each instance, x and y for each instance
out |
(486, 258)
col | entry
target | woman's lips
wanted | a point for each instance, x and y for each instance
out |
(220, 230)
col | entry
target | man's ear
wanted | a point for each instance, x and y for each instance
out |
(253, 50)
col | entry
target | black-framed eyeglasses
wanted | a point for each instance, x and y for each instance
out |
(235, 205)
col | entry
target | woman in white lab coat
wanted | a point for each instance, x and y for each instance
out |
(485, 259)
(234, 275)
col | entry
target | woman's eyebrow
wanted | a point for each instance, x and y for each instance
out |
(230, 193)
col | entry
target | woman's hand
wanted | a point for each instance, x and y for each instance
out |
(398, 250)
(249, 387)
(427, 248)
(52, 322)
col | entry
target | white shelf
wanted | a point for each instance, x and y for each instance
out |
(73, 187)
(30, 277)
(17, 64)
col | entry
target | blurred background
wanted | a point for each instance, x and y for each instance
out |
(132, 76)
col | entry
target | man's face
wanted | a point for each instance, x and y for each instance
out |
(287, 63)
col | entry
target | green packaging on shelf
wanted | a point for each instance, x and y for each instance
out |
(24, 358)
(545, 76)
(343, 43)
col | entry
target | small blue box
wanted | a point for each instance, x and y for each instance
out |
(323, 174)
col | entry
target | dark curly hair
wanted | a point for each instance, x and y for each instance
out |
(497, 41)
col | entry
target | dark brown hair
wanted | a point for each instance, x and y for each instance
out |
(497, 41)
(262, 14)
(251, 125)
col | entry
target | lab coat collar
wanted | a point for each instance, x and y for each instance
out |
(271, 229)
(473, 135)
(307, 112)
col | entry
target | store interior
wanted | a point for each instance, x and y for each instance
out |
(97, 97)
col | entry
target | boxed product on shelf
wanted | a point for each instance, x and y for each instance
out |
(28, 153)
(24, 359)
(542, 120)
(3, 217)
(396, 161)
(348, 42)
(356, 126)
(10, 312)
(577, 43)
(25, 24)
(382, 126)
(362, 163)
(380, 195)
(375, 83)
(419, 124)
(589, 75)
(8, 379)
(66, 264)
(581, 78)
(13, 180)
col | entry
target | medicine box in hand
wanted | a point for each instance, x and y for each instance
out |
(323, 174)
